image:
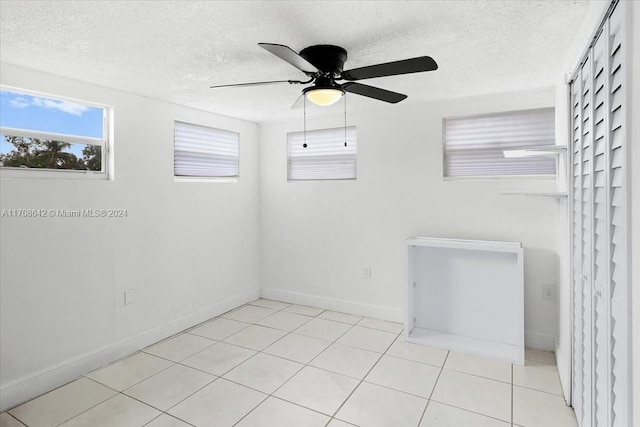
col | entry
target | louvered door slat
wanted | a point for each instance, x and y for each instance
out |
(618, 228)
(600, 368)
(600, 229)
(587, 234)
(577, 313)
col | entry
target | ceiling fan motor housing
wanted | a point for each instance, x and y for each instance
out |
(327, 58)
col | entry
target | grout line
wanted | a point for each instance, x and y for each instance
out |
(469, 410)
(365, 376)
(304, 365)
(435, 384)
(512, 394)
(164, 413)
(120, 392)
(289, 379)
(308, 365)
(480, 376)
(539, 391)
(17, 420)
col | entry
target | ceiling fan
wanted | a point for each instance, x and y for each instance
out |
(323, 65)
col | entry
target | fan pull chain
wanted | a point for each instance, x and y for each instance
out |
(345, 119)
(304, 105)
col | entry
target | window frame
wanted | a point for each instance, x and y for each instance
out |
(355, 178)
(43, 173)
(542, 177)
(219, 179)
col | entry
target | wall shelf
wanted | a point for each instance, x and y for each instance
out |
(557, 194)
(536, 151)
(557, 151)
(466, 295)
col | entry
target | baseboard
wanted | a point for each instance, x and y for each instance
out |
(539, 341)
(368, 310)
(34, 385)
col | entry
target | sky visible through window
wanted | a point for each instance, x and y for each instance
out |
(29, 112)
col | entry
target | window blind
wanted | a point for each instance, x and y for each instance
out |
(324, 157)
(473, 146)
(204, 152)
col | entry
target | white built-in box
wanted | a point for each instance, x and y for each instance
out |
(466, 295)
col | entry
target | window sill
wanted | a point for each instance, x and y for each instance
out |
(19, 173)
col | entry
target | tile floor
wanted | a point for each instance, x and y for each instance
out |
(271, 364)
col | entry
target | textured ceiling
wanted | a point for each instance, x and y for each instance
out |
(175, 50)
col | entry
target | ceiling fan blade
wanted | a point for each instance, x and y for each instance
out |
(406, 66)
(273, 82)
(287, 54)
(373, 92)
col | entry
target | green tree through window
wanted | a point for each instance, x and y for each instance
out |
(49, 154)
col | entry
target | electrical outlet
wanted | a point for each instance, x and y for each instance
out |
(366, 272)
(128, 297)
(547, 292)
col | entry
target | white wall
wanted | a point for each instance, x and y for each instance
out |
(634, 151)
(188, 249)
(316, 237)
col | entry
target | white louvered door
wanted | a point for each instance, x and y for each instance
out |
(600, 275)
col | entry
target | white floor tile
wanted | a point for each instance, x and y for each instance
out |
(382, 325)
(346, 360)
(165, 420)
(256, 337)
(340, 317)
(374, 406)
(269, 303)
(127, 372)
(404, 375)
(167, 388)
(284, 321)
(62, 403)
(368, 339)
(533, 408)
(221, 403)
(418, 353)
(219, 358)
(539, 376)
(274, 412)
(476, 394)
(440, 415)
(249, 313)
(481, 366)
(303, 309)
(219, 328)
(323, 329)
(297, 347)
(264, 372)
(7, 420)
(119, 411)
(340, 350)
(540, 356)
(317, 389)
(179, 347)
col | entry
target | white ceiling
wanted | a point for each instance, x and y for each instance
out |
(174, 51)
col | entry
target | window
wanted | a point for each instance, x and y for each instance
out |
(204, 152)
(51, 134)
(474, 146)
(329, 154)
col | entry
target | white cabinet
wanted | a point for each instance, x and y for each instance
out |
(466, 295)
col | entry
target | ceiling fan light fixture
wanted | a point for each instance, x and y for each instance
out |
(324, 96)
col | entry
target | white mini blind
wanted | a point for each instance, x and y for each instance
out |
(325, 157)
(201, 151)
(473, 146)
